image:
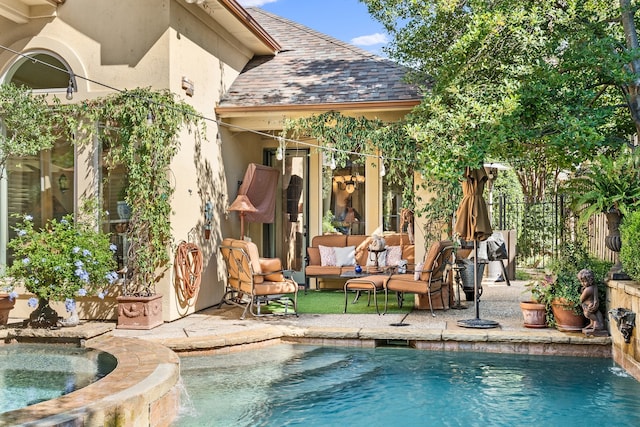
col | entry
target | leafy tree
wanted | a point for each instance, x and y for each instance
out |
(536, 83)
(27, 123)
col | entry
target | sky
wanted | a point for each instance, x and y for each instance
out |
(346, 20)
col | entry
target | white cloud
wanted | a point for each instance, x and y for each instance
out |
(370, 40)
(255, 3)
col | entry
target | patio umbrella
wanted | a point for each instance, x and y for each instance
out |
(473, 224)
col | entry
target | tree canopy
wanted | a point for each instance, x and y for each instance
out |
(539, 84)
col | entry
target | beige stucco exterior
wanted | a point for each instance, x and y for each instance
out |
(158, 43)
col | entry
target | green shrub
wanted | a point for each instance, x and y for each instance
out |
(562, 281)
(630, 250)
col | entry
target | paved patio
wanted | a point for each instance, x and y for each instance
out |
(220, 329)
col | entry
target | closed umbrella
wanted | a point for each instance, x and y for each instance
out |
(473, 224)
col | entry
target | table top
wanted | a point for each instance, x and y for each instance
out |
(352, 274)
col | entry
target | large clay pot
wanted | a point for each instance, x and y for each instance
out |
(534, 313)
(613, 242)
(566, 319)
(6, 305)
(139, 312)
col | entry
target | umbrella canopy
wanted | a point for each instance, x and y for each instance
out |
(473, 224)
(472, 217)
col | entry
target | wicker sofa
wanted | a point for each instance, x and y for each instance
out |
(317, 269)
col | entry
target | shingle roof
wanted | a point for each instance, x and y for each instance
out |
(314, 68)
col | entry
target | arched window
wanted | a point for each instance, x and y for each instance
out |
(40, 185)
(42, 72)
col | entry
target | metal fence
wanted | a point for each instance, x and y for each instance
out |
(542, 227)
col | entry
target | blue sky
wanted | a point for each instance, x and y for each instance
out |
(346, 20)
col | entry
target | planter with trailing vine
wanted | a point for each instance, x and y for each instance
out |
(141, 134)
(567, 318)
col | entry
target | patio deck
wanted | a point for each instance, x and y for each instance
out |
(222, 330)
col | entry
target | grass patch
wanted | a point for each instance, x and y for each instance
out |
(332, 302)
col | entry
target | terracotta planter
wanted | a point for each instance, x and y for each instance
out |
(566, 319)
(5, 307)
(534, 313)
(139, 312)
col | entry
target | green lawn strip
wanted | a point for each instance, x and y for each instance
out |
(332, 302)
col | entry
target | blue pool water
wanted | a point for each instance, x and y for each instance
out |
(32, 373)
(295, 385)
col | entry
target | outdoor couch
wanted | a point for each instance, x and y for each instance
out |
(345, 251)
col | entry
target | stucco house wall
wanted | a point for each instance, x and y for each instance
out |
(124, 44)
(115, 46)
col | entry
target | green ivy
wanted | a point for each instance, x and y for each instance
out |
(342, 136)
(140, 129)
(29, 123)
(630, 250)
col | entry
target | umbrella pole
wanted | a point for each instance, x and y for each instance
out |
(475, 277)
(477, 323)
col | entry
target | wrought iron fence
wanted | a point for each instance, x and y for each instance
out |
(539, 227)
(542, 227)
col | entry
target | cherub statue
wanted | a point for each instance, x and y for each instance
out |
(590, 304)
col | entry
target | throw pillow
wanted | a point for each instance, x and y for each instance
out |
(394, 255)
(345, 256)
(327, 256)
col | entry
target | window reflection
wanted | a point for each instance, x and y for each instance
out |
(34, 186)
(345, 203)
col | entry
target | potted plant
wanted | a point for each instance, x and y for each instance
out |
(7, 302)
(534, 310)
(609, 185)
(60, 262)
(562, 290)
(141, 135)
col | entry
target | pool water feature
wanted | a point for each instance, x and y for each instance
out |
(32, 373)
(319, 386)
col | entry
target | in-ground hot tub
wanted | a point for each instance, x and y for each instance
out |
(142, 389)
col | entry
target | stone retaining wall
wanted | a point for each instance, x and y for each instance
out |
(625, 294)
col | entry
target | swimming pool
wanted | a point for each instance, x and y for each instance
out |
(32, 373)
(319, 386)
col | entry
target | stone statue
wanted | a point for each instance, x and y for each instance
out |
(590, 304)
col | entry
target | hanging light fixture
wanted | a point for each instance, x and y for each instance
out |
(70, 90)
(349, 183)
(383, 170)
(280, 152)
(333, 164)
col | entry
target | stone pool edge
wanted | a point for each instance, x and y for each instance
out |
(142, 390)
(537, 342)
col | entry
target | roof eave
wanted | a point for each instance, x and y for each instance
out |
(240, 111)
(252, 25)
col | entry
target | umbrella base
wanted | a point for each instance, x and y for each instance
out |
(478, 323)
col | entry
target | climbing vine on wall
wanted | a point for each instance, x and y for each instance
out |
(370, 139)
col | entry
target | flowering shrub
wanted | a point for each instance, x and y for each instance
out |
(62, 261)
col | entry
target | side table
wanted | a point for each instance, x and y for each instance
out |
(366, 283)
